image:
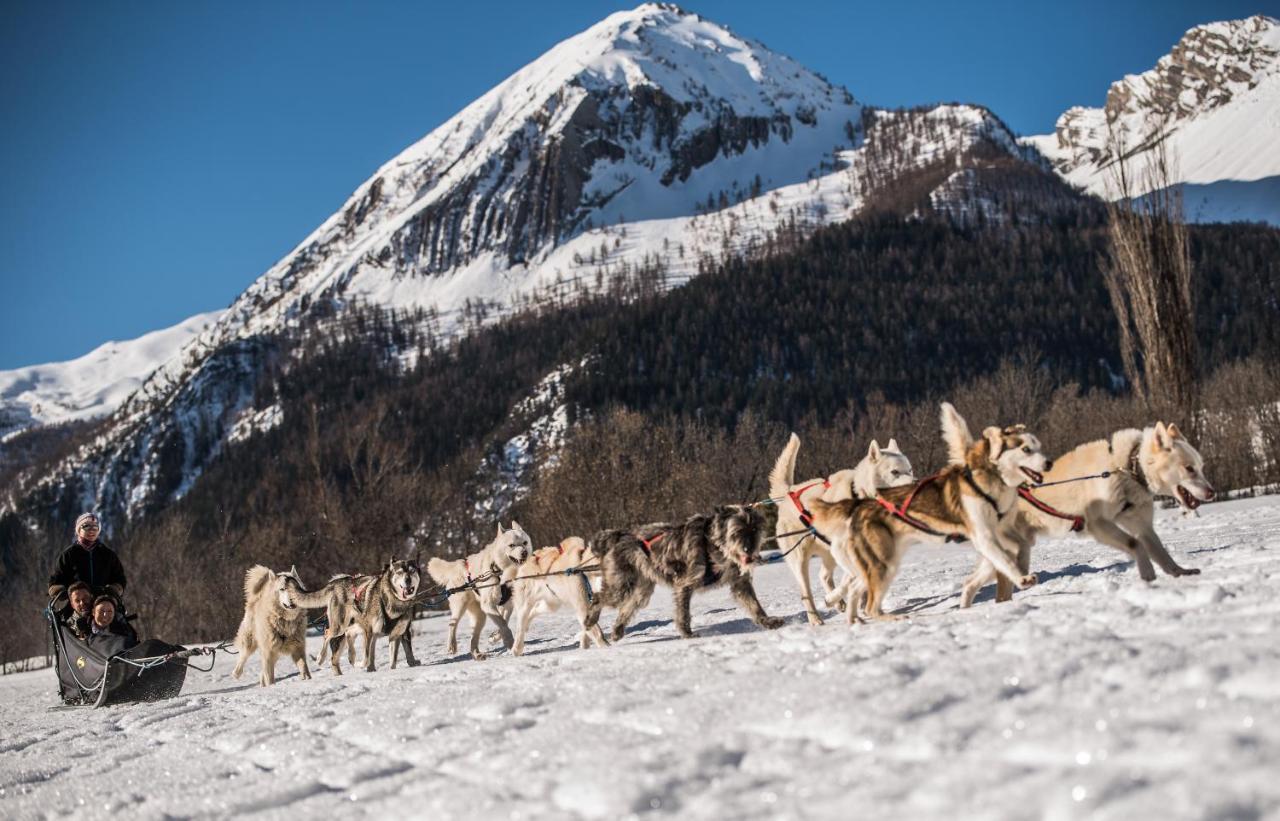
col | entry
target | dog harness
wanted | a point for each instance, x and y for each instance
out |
(806, 518)
(902, 512)
(1077, 522)
(649, 543)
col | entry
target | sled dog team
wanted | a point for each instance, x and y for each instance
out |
(998, 492)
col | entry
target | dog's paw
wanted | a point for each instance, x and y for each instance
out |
(815, 620)
(414, 663)
(451, 650)
(479, 656)
(1188, 571)
(772, 622)
(1028, 580)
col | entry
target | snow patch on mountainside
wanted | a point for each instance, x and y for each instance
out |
(92, 385)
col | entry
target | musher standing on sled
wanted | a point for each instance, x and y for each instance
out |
(90, 561)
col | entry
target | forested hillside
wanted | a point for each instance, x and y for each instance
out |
(671, 399)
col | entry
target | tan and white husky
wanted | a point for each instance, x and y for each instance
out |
(541, 585)
(272, 624)
(1117, 510)
(880, 468)
(965, 501)
(497, 562)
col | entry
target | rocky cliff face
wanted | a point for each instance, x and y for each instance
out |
(1212, 100)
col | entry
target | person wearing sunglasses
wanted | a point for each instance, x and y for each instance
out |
(90, 561)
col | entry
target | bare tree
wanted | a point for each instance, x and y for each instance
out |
(1148, 274)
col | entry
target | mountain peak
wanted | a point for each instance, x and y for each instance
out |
(1218, 85)
(1210, 66)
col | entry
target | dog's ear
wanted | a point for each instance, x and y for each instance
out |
(873, 451)
(1173, 431)
(293, 570)
(893, 445)
(995, 441)
(516, 526)
(1160, 441)
(500, 531)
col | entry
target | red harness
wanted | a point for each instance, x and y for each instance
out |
(1077, 522)
(806, 518)
(649, 543)
(902, 512)
(359, 591)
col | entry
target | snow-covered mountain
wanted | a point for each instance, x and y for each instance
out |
(1214, 101)
(92, 385)
(654, 141)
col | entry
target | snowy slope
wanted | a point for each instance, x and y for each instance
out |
(1214, 101)
(94, 384)
(1092, 695)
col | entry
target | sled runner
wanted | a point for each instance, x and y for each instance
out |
(100, 670)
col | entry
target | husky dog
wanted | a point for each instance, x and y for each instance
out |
(964, 501)
(1117, 510)
(381, 605)
(880, 468)
(702, 552)
(271, 623)
(499, 561)
(550, 588)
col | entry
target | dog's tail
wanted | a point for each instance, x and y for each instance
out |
(438, 570)
(955, 432)
(255, 581)
(784, 470)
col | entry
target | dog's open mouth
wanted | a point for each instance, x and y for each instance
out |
(1189, 501)
(405, 594)
(1035, 477)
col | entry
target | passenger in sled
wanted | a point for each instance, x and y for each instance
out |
(98, 656)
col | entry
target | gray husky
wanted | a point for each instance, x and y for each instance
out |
(381, 605)
(700, 553)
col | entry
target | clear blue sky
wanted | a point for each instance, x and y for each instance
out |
(156, 158)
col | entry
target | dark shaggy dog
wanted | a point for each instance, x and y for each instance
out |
(702, 552)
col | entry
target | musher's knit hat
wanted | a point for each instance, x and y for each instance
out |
(87, 517)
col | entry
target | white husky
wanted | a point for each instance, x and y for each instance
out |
(271, 623)
(497, 564)
(541, 585)
(1116, 510)
(880, 468)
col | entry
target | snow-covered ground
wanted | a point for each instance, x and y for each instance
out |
(1093, 694)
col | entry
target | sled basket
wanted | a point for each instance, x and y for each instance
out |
(100, 670)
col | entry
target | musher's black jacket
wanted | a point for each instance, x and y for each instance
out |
(97, 568)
